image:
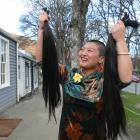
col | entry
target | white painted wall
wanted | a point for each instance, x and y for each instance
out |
(21, 77)
(35, 73)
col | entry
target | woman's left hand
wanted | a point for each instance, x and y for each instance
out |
(118, 31)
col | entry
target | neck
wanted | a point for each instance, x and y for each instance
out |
(88, 71)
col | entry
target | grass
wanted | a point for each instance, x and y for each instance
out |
(132, 108)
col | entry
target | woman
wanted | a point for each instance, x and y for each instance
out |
(82, 113)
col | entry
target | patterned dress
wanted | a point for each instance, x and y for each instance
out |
(81, 117)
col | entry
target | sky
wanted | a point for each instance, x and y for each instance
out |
(10, 11)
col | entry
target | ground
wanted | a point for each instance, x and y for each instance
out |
(132, 108)
(34, 124)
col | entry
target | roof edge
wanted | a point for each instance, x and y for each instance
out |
(8, 34)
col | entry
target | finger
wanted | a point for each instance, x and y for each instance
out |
(113, 28)
(42, 12)
(63, 70)
(49, 17)
(60, 66)
(59, 69)
(120, 23)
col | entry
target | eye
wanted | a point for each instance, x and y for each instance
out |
(90, 50)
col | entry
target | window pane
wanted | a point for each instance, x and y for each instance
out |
(3, 44)
(3, 68)
(3, 50)
(2, 78)
(35, 74)
(19, 71)
(26, 75)
(3, 57)
(3, 62)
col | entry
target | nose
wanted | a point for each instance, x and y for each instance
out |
(83, 52)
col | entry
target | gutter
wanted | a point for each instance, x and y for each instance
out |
(17, 73)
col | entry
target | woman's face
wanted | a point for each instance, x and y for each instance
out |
(89, 56)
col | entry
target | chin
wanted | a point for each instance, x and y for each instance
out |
(84, 65)
(87, 66)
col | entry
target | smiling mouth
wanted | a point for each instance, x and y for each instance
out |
(83, 59)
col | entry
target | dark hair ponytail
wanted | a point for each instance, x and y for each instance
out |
(114, 113)
(50, 71)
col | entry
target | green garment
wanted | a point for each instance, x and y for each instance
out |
(81, 117)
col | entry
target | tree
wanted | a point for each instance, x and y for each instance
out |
(78, 23)
(61, 16)
(70, 18)
(60, 11)
(103, 13)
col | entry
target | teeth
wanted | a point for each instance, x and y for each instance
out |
(84, 59)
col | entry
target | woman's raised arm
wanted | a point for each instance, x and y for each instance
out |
(124, 61)
(42, 18)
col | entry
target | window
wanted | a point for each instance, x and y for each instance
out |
(4, 63)
(35, 75)
(19, 76)
(27, 70)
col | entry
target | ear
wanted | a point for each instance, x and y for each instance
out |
(101, 59)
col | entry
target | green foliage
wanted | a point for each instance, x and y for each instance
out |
(132, 103)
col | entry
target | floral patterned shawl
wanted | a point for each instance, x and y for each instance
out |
(87, 88)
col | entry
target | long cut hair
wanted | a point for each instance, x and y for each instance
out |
(114, 113)
(50, 71)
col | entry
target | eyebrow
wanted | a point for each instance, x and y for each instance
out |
(87, 48)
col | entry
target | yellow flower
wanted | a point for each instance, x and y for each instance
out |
(77, 77)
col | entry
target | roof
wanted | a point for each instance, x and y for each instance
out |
(8, 34)
(25, 54)
(26, 43)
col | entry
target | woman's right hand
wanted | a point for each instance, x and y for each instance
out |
(42, 18)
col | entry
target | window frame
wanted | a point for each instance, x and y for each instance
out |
(7, 67)
(27, 74)
(35, 74)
